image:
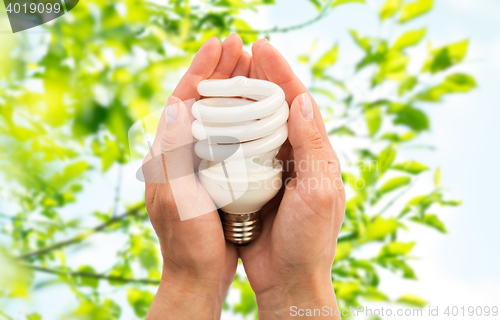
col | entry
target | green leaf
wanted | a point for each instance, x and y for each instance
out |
(437, 177)
(369, 173)
(317, 4)
(140, 301)
(373, 118)
(109, 153)
(442, 58)
(410, 135)
(343, 251)
(390, 8)
(247, 303)
(347, 290)
(148, 257)
(87, 309)
(88, 281)
(342, 131)
(421, 203)
(431, 220)
(372, 294)
(407, 85)
(455, 83)
(303, 58)
(112, 308)
(362, 42)
(460, 82)
(386, 158)
(451, 203)
(415, 9)
(412, 301)
(120, 271)
(34, 316)
(396, 107)
(325, 92)
(378, 229)
(74, 170)
(392, 136)
(340, 2)
(409, 39)
(412, 167)
(247, 37)
(413, 118)
(397, 264)
(394, 249)
(392, 67)
(327, 60)
(394, 184)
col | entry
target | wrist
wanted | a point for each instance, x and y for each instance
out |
(181, 296)
(296, 295)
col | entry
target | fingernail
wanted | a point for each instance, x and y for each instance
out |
(306, 106)
(172, 111)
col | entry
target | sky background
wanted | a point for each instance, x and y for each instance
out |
(458, 269)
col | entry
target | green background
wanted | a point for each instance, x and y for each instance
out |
(70, 90)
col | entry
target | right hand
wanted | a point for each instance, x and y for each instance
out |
(290, 263)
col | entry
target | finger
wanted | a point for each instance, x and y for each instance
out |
(231, 52)
(204, 63)
(306, 140)
(152, 167)
(279, 71)
(252, 73)
(170, 137)
(174, 141)
(177, 157)
(258, 72)
(243, 66)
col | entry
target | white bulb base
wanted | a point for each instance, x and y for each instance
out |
(241, 198)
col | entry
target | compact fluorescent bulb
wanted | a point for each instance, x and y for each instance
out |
(241, 126)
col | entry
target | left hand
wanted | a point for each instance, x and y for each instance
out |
(198, 264)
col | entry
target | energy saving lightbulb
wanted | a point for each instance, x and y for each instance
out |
(240, 125)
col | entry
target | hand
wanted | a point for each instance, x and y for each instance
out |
(290, 263)
(198, 264)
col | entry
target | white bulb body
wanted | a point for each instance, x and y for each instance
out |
(239, 140)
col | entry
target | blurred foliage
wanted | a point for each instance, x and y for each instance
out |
(68, 97)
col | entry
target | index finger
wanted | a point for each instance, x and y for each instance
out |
(204, 63)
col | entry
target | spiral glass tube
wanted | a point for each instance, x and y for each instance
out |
(240, 124)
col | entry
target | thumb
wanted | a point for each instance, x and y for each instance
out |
(165, 140)
(306, 140)
(176, 141)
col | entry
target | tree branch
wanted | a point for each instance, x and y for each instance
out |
(276, 29)
(118, 190)
(89, 275)
(394, 200)
(6, 316)
(82, 236)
